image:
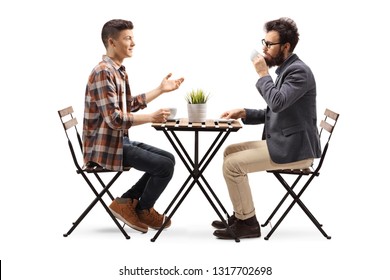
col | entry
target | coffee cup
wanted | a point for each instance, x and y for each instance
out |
(172, 113)
(254, 54)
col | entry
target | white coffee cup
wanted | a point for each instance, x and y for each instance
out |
(254, 54)
(172, 113)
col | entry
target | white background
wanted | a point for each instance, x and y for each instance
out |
(48, 50)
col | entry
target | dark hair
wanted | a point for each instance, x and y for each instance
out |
(112, 28)
(287, 29)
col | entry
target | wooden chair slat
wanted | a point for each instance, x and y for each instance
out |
(71, 123)
(328, 127)
(331, 114)
(66, 111)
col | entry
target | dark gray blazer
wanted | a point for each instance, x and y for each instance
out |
(290, 119)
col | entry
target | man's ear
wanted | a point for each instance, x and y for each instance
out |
(287, 46)
(111, 42)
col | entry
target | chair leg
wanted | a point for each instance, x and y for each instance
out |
(103, 185)
(93, 203)
(300, 203)
(280, 203)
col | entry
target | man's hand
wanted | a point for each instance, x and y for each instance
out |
(170, 85)
(260, 65)
(160, 115)
(165, 86)
(234, 114)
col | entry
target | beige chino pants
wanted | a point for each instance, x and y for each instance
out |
(248, 157)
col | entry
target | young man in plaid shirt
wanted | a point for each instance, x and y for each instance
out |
(109, 113)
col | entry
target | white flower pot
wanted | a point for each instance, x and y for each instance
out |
(197, 112)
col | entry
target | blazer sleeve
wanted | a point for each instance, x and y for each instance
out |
(254, 116)
(290, 87)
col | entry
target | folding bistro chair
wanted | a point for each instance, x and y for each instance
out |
(326, 130)
(69, 122)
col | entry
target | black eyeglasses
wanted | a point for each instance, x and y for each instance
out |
(269, 44)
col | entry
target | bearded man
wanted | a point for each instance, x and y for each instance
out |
(290, 138)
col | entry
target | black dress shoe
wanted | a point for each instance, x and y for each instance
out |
(219, 225)
(241, 228)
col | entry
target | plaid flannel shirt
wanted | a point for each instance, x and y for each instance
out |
(104, 121)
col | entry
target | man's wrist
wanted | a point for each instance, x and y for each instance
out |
(262, 73)
(243, 113)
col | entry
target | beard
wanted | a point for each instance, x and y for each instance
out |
(275, 61)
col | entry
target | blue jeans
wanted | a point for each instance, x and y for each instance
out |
(158, 166)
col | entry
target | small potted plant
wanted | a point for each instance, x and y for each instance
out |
(197, 105)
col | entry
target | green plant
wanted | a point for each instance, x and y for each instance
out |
(197, 96)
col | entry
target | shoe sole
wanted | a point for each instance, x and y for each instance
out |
(239, 237)
(118, 216)
(167, 226)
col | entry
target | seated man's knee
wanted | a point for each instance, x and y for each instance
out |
(231, 166)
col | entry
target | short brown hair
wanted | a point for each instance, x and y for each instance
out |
(112, 28)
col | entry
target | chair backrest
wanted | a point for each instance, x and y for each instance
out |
(70, 122)
(327, 126)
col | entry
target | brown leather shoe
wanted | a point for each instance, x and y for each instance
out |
(152, 218)
(241, 228)
(219, 225)
(124, 210)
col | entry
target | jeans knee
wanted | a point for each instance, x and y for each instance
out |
(166, 168)
(172, 158)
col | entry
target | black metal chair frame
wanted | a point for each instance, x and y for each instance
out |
(89, 169)
(300, 173)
